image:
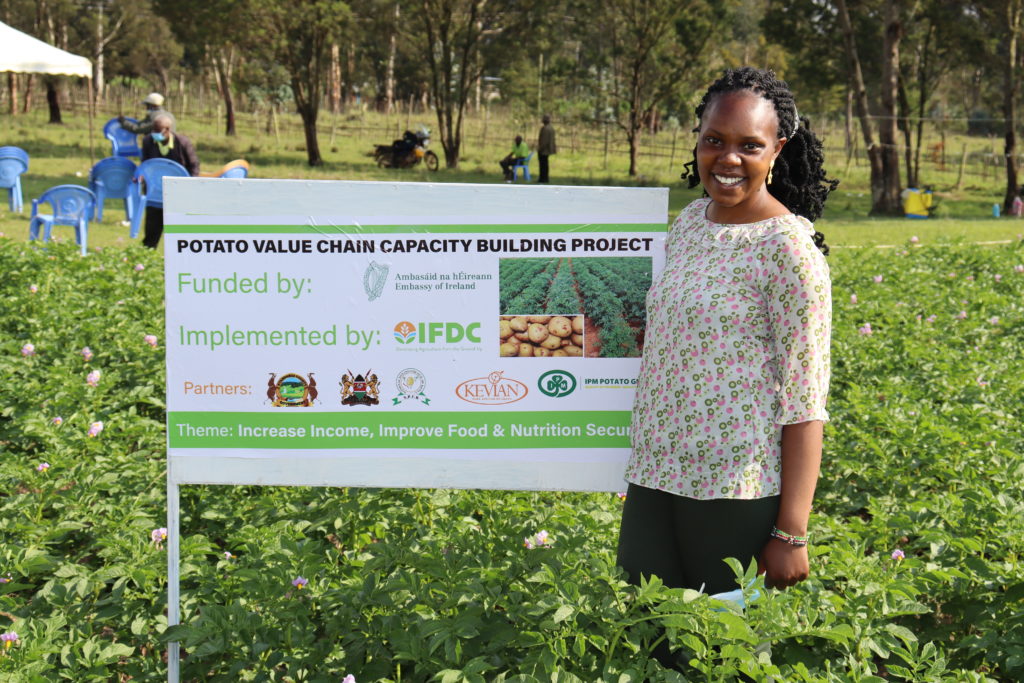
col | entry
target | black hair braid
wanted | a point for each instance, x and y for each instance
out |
(798, 177)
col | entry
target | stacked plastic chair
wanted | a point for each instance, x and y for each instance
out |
(72, 205)
(148, 187)
(111, 178)
(13, 162)
(123, 143)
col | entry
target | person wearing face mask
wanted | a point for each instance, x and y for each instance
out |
(154, 104)
(164, 143)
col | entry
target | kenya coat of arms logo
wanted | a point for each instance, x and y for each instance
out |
(360, 390)
(291, 390)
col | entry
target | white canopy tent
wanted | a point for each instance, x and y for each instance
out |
(21, 53)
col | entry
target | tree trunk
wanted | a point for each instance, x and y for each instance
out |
(634, 150)
(904, 126)
(389, 78)
(308, 111)
(12, 92)
(98, 78)
(223, 70)
(890, 203)
(922, 102)
(1013, 25)
(53, 100)
(335, 67)
(26, 106)
(861, 101)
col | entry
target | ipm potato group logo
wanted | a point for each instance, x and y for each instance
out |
(556, 383)
(434, 332)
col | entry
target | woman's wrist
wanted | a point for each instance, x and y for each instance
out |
(798, 541)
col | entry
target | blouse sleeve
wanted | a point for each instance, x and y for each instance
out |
(798, 297)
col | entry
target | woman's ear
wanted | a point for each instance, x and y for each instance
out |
(779, 144)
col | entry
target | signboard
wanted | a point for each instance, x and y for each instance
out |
(405, 334)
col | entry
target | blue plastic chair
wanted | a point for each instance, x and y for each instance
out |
(13, 162)
(123, 143)
(72, 205)
(524, 166)
(111, 178)
(148, 187)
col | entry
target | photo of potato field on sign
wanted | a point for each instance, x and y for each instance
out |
(591, 307)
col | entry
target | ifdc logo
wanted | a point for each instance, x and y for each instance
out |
(405, 332)
(556, 383)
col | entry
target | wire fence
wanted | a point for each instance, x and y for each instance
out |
(945, 159)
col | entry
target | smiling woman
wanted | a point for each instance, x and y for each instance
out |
(730, 403)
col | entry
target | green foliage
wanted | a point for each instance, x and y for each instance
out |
(922, 455)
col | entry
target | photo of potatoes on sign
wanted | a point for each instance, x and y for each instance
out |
(541, 336)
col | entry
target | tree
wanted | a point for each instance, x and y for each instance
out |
(458, 39)
(654, 47)
(215, 27)
(298, 36)
(883, 159)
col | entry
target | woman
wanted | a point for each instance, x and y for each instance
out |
(727, 422)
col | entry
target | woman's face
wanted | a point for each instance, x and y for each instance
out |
(735, 148)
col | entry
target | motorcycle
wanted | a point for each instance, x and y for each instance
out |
(407, 152)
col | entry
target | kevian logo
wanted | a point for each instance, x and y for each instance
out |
(405, 332)
(492, 390)
(436, 333)
(556, 383)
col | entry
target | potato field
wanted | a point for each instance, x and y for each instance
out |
(608, 292)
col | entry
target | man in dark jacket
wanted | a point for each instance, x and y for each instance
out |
(162, 143)
(545, 147)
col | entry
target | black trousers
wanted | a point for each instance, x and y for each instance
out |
(154, 226)
(684, 541)
(543, 168)
(507, 163)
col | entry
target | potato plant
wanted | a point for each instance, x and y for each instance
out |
(917, 531)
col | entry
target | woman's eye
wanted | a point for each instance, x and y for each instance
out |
(711, 140)
(752, 147)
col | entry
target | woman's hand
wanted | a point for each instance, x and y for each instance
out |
(783, 565)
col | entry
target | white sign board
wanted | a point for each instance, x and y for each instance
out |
(405, 334)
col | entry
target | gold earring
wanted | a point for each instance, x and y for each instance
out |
(770, 167)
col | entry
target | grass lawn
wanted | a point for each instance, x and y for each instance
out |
(60, 154)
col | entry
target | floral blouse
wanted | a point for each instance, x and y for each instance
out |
(737, 345)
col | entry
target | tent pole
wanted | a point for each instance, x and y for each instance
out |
(89, 106)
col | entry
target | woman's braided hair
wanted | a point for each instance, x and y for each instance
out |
(798, 178)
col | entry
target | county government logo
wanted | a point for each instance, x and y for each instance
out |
(556, 383)
(492, 390)
(405, 332)
(291, 390)
(360, 390)
(374, 278)
(411, 384)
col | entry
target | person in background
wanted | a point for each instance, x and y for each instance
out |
(154, 104)
(1017, 208)
(545, 146)
(917, 203)
(164, 143)
(519, 152)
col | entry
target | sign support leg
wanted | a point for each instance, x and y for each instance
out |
(173, 577)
